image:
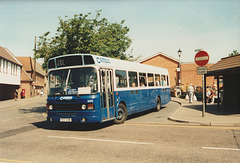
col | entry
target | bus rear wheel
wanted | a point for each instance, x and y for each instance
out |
(121, 115)
(158, 105)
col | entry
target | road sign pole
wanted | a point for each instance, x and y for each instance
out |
(203, 102)
(201, 59)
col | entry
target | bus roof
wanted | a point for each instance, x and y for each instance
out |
(106, 62)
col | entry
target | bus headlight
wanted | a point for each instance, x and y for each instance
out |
(50, 107)
(84, 107)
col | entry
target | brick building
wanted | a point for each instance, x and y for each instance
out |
(165, 61)
(188, 70)
(189, 74)
(27, 77)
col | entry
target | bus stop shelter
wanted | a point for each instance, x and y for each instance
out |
(228, 69)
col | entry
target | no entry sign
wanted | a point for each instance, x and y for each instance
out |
(201, 58)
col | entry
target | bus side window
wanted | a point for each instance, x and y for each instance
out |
(142, 79)
(132, 78)
(150, 80)
(163, 80)
(167, 80)
(121, 78)
(157, 80)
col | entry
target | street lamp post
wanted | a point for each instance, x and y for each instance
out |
(179, 54)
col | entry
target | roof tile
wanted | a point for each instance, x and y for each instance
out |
(226, 63)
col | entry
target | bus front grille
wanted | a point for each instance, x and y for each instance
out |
(67, 107)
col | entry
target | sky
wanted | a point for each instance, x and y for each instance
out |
(155, 25)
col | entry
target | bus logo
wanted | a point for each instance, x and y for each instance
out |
(103, 60)
(66, 98)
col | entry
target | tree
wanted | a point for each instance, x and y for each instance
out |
(82, 34)
(235, 52)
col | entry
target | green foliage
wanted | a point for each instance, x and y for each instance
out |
(235, 52)
(82, 34)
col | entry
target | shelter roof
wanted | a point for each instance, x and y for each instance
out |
(226, 64)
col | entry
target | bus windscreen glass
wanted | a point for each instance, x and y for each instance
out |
(78, 81)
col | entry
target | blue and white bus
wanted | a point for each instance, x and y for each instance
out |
(84, 88)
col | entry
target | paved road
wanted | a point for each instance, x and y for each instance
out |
(146, 137)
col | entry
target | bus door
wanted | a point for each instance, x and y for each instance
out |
(107, 94)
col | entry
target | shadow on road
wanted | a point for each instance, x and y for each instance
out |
(72, 126)
(33, 110)
(143, 113)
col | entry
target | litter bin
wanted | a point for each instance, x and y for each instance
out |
(23, 93)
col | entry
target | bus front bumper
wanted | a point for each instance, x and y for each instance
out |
(73, 117)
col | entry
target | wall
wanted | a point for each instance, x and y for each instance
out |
(231, 92)
(26, 85)
(10, 73)
(189, 74)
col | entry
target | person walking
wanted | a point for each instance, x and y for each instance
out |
(16, 95)
(190, 93)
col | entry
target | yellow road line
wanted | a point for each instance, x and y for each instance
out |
(7, 160)
(182, 126)
(20, 105)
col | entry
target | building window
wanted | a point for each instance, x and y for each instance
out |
(7, 67)
(4, 68)
(15, 68)
(0, 65)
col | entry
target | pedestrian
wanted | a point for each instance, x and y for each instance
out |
(182, 89)
(208, 94)
(187, 87)
(190, 93)
(41, 93)
(214, 86)
(16, 95)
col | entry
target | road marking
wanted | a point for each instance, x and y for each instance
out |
(180, 126)
(227, 149)
(103, 140)
(7, 160)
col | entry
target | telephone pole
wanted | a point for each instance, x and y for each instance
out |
(34, 69)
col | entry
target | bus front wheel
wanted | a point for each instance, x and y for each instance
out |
(158, 106)
(121, 115)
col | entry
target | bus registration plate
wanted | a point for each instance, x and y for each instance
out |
(65, 119)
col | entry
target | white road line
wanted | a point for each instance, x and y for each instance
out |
(227, 149)
(89, 139)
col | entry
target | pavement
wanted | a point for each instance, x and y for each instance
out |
(213, 116)
(187, 113)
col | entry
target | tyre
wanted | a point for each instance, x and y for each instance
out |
(158, 105)
(121, 114)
